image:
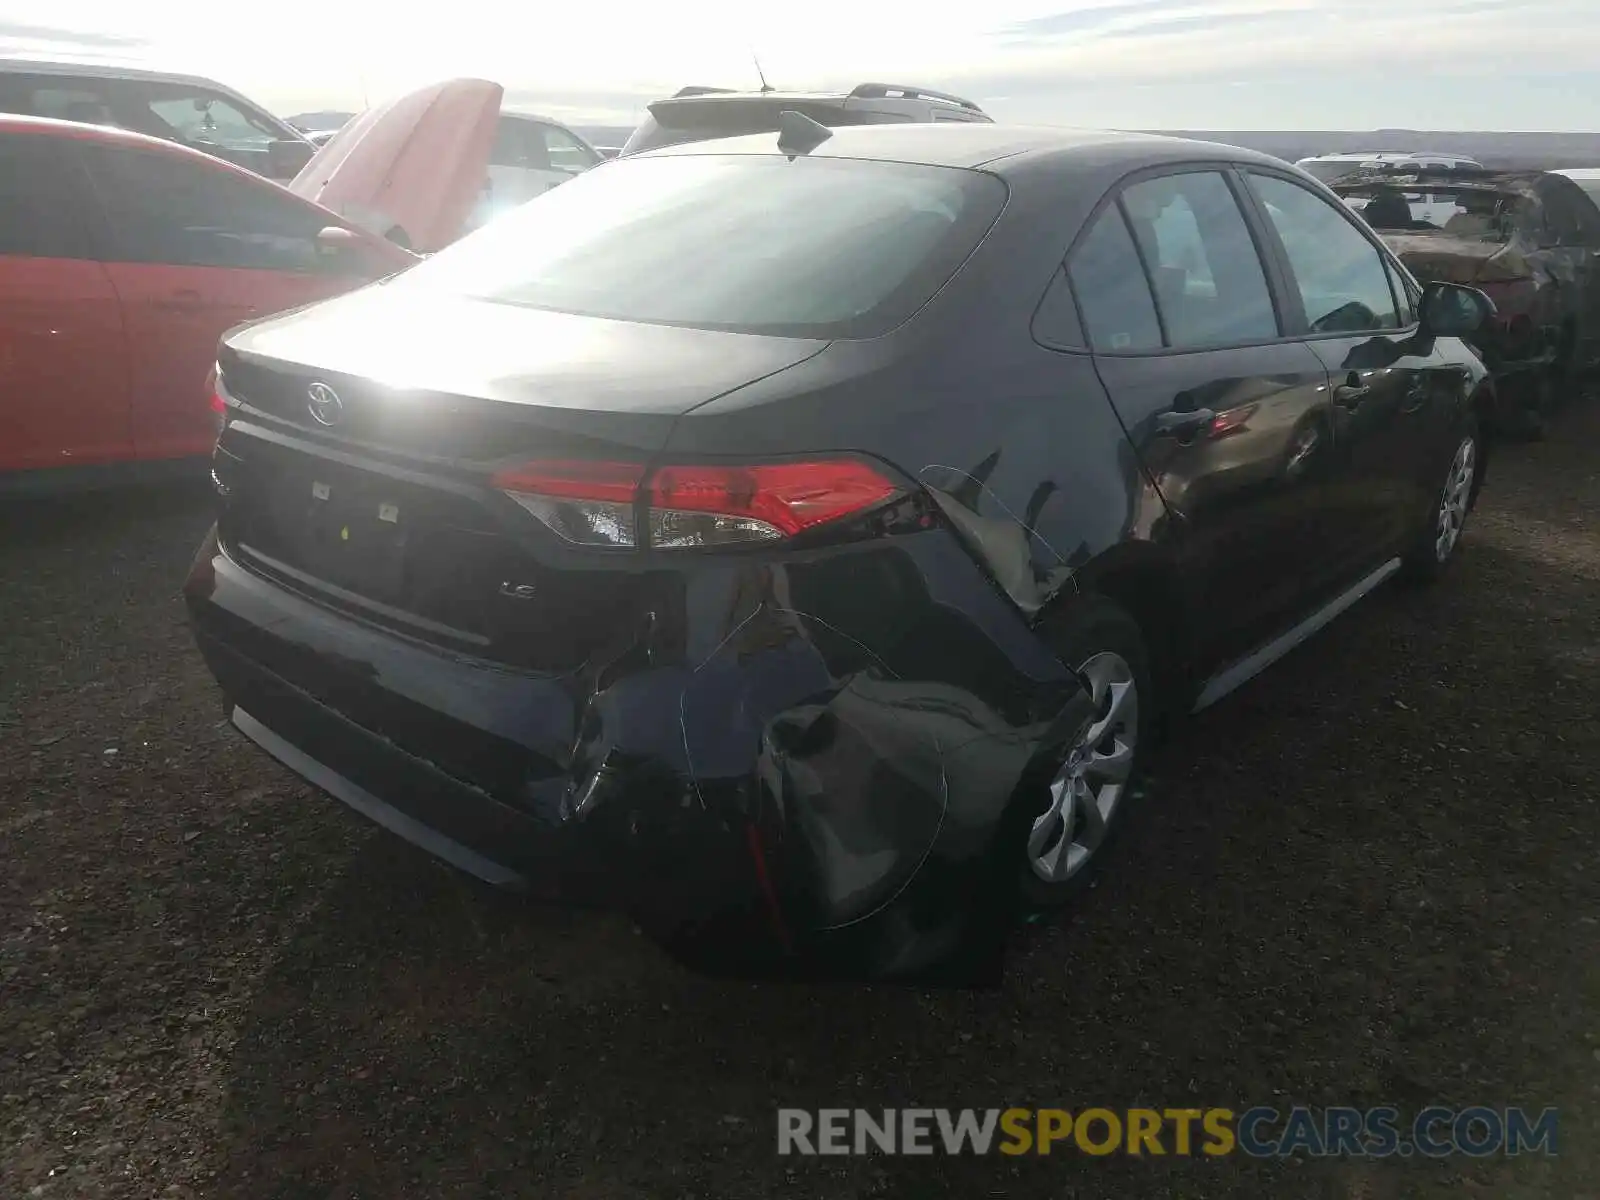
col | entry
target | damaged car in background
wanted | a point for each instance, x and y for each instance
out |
(425, 167)
(798, 542)
(123, 260)
(1530, 240)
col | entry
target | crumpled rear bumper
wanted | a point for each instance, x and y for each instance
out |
(787, 796)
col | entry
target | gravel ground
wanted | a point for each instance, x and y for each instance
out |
(1368, 877)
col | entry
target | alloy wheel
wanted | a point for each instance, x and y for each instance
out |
(1093, 777)
(1456, 498)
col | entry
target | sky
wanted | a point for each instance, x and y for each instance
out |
(1512, 65)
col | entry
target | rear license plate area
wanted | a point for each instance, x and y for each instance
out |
(348, 531)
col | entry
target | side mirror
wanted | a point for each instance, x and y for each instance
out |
(1454, 310)
(287, 157)
(344, 251)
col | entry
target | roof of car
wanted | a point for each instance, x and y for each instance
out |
(17, 122)
(101, 69)
(1474, 179)
(977, 144)
(1349, 155)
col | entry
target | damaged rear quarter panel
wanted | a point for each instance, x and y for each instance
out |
(915, 690)
(867, 707)
(888, 695)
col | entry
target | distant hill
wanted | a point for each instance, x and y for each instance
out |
(1511, 151)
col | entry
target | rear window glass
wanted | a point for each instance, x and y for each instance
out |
(1477, 214)
(749, 243)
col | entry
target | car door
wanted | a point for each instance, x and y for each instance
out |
(63, 354)
(530, 157)
(1392, 391)
(195, 248)
(1227, 410)
(518, 166)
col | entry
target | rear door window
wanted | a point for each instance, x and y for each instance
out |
(171, 210)
(1210, 286)
(1119, 314)
(39, 201)
(87, 101)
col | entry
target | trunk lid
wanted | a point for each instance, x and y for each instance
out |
(417, 162)
(1445, 259)
(363, 432)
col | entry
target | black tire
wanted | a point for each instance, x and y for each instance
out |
(1426, 561)
(1084, 632)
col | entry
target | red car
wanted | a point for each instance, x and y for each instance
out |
(123, 260)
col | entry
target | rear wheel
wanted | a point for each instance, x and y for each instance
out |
(1094, 779)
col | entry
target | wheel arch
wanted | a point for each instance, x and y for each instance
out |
(1484, 403)
(1143, 581)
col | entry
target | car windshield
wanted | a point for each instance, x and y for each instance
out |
(203, 120)
(1476, 213)
(805, 247)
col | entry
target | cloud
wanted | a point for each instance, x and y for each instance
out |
(1077, 20)
(1205, 63)
(22, 33)
(1142, 18)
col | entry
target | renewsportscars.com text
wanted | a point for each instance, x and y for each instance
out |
(1261, 1132)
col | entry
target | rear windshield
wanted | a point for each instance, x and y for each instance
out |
(1477, 214)
(813, 247)
(673, 122)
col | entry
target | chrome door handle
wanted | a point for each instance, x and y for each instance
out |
(1174, 423)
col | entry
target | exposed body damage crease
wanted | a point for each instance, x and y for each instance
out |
(1003, 545)
(944, 812)
(683, 700)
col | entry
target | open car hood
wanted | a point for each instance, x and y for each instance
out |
(417, 162)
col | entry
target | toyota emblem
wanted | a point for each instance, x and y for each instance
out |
(324, 405)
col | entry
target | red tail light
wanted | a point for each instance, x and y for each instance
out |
(588, 503)
(218, 404)
(708, 505)
(594, 504)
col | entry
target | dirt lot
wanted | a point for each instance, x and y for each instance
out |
(1370, 877)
